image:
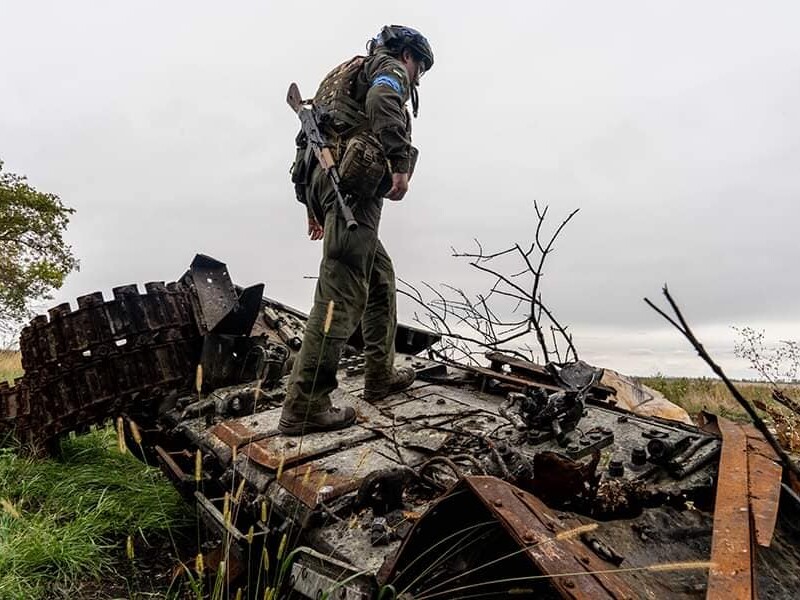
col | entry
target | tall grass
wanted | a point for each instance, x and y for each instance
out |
(10, 365)
(698, 394)
(64, 520)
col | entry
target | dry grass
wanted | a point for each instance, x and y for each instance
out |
(10, 365)
(696, 395)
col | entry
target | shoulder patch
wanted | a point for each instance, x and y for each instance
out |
(389, 81)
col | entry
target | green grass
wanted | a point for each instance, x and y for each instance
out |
(66, 520)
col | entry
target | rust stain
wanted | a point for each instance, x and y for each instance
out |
(233, 433)
(731, 577)
(272, 452)
(764, 485)
(261, 454)
(171, 465)
(531, 523)
(794, 483)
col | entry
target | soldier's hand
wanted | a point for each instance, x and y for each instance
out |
(399, 186)
(315, 230)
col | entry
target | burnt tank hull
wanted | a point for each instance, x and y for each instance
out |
(474, 482)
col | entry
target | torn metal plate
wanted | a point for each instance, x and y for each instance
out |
(731, 577)
(764, 473)
(214, 290)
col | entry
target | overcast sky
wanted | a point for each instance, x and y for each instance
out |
(673, 126)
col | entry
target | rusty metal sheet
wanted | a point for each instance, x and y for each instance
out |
(764, 485)
(342, 472)
(281, 450)
(529, 521)
(237, 434)
(172, 467)
(731, 577)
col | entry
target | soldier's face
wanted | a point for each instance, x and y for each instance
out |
(414, 67)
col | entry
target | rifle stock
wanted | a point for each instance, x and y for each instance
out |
(321, 149)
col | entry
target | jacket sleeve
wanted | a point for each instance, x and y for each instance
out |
(385, 103)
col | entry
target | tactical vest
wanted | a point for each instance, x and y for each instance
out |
(339, 112)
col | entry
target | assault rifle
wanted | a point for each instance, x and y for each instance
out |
(321, 149)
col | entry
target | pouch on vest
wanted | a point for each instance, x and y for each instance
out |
(386, 183)
(362, 166)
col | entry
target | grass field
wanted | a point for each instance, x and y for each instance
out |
(64, 524)
(698, 394)
(711, 395)
(10, 365)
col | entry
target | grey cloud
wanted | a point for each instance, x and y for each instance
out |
(672, 126)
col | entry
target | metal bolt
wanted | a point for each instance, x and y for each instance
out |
(638, 456)
(616, 468)
(498, 502)
(568, 583)
(528, 537)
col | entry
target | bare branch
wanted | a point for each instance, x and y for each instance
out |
(470, 323)
(682, 326)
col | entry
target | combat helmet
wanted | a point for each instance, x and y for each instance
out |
(397, 38)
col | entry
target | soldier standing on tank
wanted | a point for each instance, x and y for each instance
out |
(361, 106)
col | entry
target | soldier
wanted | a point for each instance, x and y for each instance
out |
(361, 107)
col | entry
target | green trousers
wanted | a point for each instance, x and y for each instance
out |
(357, 275)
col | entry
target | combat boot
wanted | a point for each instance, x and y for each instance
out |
(376, 388)
(330, 419)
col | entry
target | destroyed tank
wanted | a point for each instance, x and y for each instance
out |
(476, 482)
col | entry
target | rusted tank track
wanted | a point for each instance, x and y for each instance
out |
(104, 357)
